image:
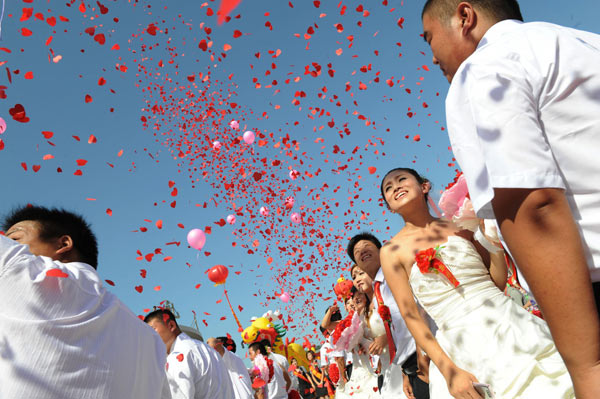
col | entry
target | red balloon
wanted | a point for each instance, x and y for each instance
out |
(218, 274)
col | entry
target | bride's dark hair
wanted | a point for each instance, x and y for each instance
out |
(413, 172)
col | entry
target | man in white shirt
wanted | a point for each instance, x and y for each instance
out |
(194, 370)
(282, 361)
(523, 115)
(277, 387)
(62, 334)
(363, 249)
(240, 379)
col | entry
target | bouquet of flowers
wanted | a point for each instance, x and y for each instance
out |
(262, 372)
(456, 205)
(348, 332)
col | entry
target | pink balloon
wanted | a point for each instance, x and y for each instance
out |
(2, 125)
(296, 218)
(196, 238)
(294, 174)
(216, 145)
(285, 297)
(234, 125)
(264, 211)
(249, 137)
(231, 219)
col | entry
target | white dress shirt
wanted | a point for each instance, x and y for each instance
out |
(328, 352)
(240, 379)
(523, 111)
(405, 344)
(196, 371)
(68, 337)
(276, 388)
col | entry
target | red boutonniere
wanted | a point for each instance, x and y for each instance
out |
(428, 262)
(384, 313)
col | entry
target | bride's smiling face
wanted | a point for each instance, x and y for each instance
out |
(361, 280)
(401, 188)
(360, 302)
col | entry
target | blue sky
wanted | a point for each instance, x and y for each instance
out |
(389, 95)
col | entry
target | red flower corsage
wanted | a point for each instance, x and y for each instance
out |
(428, 262)
(384, 313)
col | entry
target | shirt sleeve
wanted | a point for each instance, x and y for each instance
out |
(10, 250)
(496, 133)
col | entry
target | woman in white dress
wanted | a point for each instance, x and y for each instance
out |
(363, 382)
(483, 336)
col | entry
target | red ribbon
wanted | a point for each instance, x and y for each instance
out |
(386, 323)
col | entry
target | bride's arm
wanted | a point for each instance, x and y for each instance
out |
(460, 382)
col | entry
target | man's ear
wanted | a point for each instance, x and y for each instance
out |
(171, 325)
(467, 17)
(65, 245)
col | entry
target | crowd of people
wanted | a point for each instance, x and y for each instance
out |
(432, 313)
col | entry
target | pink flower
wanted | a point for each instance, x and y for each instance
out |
(456, 205)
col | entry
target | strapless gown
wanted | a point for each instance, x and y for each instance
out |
(487, 334)
(363, 382)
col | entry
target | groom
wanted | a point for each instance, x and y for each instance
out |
(363, 249)
(523, 114)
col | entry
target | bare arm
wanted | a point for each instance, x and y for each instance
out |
(326, 323)
(541, 233)
(459, 381)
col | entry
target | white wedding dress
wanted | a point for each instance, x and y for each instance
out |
(363, 381)
(487, 334)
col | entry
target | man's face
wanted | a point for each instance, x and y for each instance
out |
(448, 46)
(164, 330)
(366, 255)
(28, 232)
(251, 353)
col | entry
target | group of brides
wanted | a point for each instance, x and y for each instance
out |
(482, 335)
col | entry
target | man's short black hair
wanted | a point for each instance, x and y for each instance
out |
(163, 314)
(496, 9)
(359, 237)
(259, 347)
(55, 223)
(228, 343)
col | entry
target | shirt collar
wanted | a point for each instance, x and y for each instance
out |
(379, 276)
(497, 30)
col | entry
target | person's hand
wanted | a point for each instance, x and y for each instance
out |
(334, 308)
(378, 345)
(361, 349)
(460, 384)
(491, 234)
(408, 391)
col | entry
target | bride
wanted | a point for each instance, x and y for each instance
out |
(458, 283)
(356, 337)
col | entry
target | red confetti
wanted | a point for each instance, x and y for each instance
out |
(18, 113)
(56, 273)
